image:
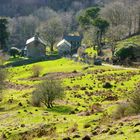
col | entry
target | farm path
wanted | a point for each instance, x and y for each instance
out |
(120, 67)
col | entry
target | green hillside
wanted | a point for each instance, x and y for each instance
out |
(73, 116)
(134, 39)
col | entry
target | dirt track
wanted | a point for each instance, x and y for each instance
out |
(120, 67)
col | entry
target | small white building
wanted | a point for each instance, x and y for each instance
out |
(64, 47)
(35, 47)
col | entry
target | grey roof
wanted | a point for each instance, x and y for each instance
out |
(63, 42)
(72, 38)
(35, 39)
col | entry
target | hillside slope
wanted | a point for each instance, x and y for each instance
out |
(134, 39)
(84, 111)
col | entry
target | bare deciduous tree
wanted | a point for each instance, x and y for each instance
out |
(47, 92)
(51, 31)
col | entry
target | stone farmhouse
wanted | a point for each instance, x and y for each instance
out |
(35, 47)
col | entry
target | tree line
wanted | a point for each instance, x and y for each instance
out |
(110, 21)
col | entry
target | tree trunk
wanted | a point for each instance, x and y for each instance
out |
(51, 49)
(139, 23)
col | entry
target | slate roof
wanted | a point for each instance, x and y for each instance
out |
(72, 38)
(35, 39)
(63, 42)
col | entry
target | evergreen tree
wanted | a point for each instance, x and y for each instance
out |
(91, 17)
(3, 33)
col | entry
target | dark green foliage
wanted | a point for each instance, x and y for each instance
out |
(48, 91)
(101, 24)
(107, 85)
(92, 12)
(127, 51)
(3, 33)
(91, 18)
(124, 53)
(84, 21)
(14, 52)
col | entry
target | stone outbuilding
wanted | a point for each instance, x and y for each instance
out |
(35, 47)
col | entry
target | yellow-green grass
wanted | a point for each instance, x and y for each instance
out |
(91, 52)
(12, 114)
(134, 39)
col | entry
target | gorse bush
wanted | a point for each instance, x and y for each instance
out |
(135, 100)
(36, 70)
(132, 107)
(48, 91)
(121, 111)
(3, 77)
(36, 99)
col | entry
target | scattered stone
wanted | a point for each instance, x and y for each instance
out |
(72, 112)
(121, 133)
(85, 68)
(65, 118)
(105, 130)
(136, 130)
(10, 101)
(3, 136)
(112, 132)
(137, 124)
(76, 109)
(121, 124)
(22, 125)
(86, 138)
(107, 85)
(97, 127)
(20, 104)
(25, 110)
(75, 71)
(111, 98)
(78, 104)
(94, 133)
(68, 138)
(76, 136)
(83, 88)
(90, 88)
(87, 125)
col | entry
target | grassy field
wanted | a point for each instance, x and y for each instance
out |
(135, 40)
(83, 112)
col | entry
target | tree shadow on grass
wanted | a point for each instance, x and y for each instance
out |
(23, 61)
(60, 109)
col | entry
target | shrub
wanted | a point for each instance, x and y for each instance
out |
(36, 70)
(48, 91)
(135, 100)
(107, 85)
(130, 108)
(14, 51)
(3, 76)
(36, 99)
(128, 51)
(120, 111)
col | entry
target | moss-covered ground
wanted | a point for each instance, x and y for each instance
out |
(83, 110)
